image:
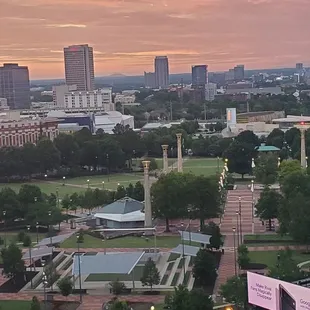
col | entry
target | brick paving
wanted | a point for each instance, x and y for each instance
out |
(229, 221)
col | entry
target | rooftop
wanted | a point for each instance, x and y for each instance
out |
(267, 148)
(122, 206)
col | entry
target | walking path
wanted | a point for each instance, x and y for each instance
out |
(231, 220)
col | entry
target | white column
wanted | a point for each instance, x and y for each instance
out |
(303, 159)
(165, 158)
(147, 195)
(179, 145)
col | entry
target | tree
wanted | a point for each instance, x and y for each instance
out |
(68, 148)
(243, 256)
(35, 304)
(204, 269)
(288, 167)
(138, 192)
(51, 274)
(200, 300)
(13, 263)
(239, 155)
(170, 196)
(65, 286)
(286, 268)
(116, 304)
(266, 170)
(129, 190)
(66, 203)
(117, 287)
(27, 241)
(120, 192)
(268, 205)
(276, 138)
(235, 291)
(150, 274)
(10, 204)
(183, 299)
(216, 240)
(48, 155)
(205, 198)
(248, 137)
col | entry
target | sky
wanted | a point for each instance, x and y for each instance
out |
(127, 34)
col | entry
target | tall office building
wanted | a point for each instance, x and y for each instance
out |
(15, 86)
(299, 66)
(239, 73)
(199, 76)
(161, 71)
(149, 80)
(79, 67)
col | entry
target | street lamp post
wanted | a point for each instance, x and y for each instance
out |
(237, 215)
(102, 184)
(4, 213)
(79, 263)
(235, 257)
(252, 190)
(37, 230)
(64, 181)
(28, 228)
(108, 167)
(183, 251)
(57, 197)
(87, 183)
(49, 230)
(44, 288)
(240, 214)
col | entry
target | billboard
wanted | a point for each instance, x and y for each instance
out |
(273, 294)
(231, 117)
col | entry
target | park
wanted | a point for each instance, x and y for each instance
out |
(95, 237)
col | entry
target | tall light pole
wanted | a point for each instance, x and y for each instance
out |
(183, 251)
(50, 233)
(4, 213)
(102, 184)
(237, 215)
(57, 197)
(78, 240)
(28, 228)
(240, 214)
(252, 190)
(108, 167)
(235, 256)
(44, 278)
(87, 183)
(37, 230)
(63, 181)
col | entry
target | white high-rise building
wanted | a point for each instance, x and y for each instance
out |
(79, 67)
(101, 98)
(59, 92)
(161, 71)
(210, 91)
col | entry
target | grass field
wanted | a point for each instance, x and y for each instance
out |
(14, 305)
(269, 258)
(125, 242)
(203, 166)
(80, 184)
(268, 239)
(12, 236)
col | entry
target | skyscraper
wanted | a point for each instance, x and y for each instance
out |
(199, 76)
(161, 71)
(149, 80)
(239, 73)
(15, 86)
(79, 67)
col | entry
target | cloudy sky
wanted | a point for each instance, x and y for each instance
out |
(127, 34)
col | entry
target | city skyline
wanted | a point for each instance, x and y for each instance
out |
(127, 34)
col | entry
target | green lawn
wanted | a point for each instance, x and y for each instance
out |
(203, 166)
(97, 277)
(275, 237)
(125, 242)
(14, 305)
(80, 184)
(269, 258)
(171, 162)
(12, 236)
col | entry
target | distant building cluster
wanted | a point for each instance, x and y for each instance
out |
(160, 77)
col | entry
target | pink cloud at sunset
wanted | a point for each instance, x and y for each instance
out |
(127, 34)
